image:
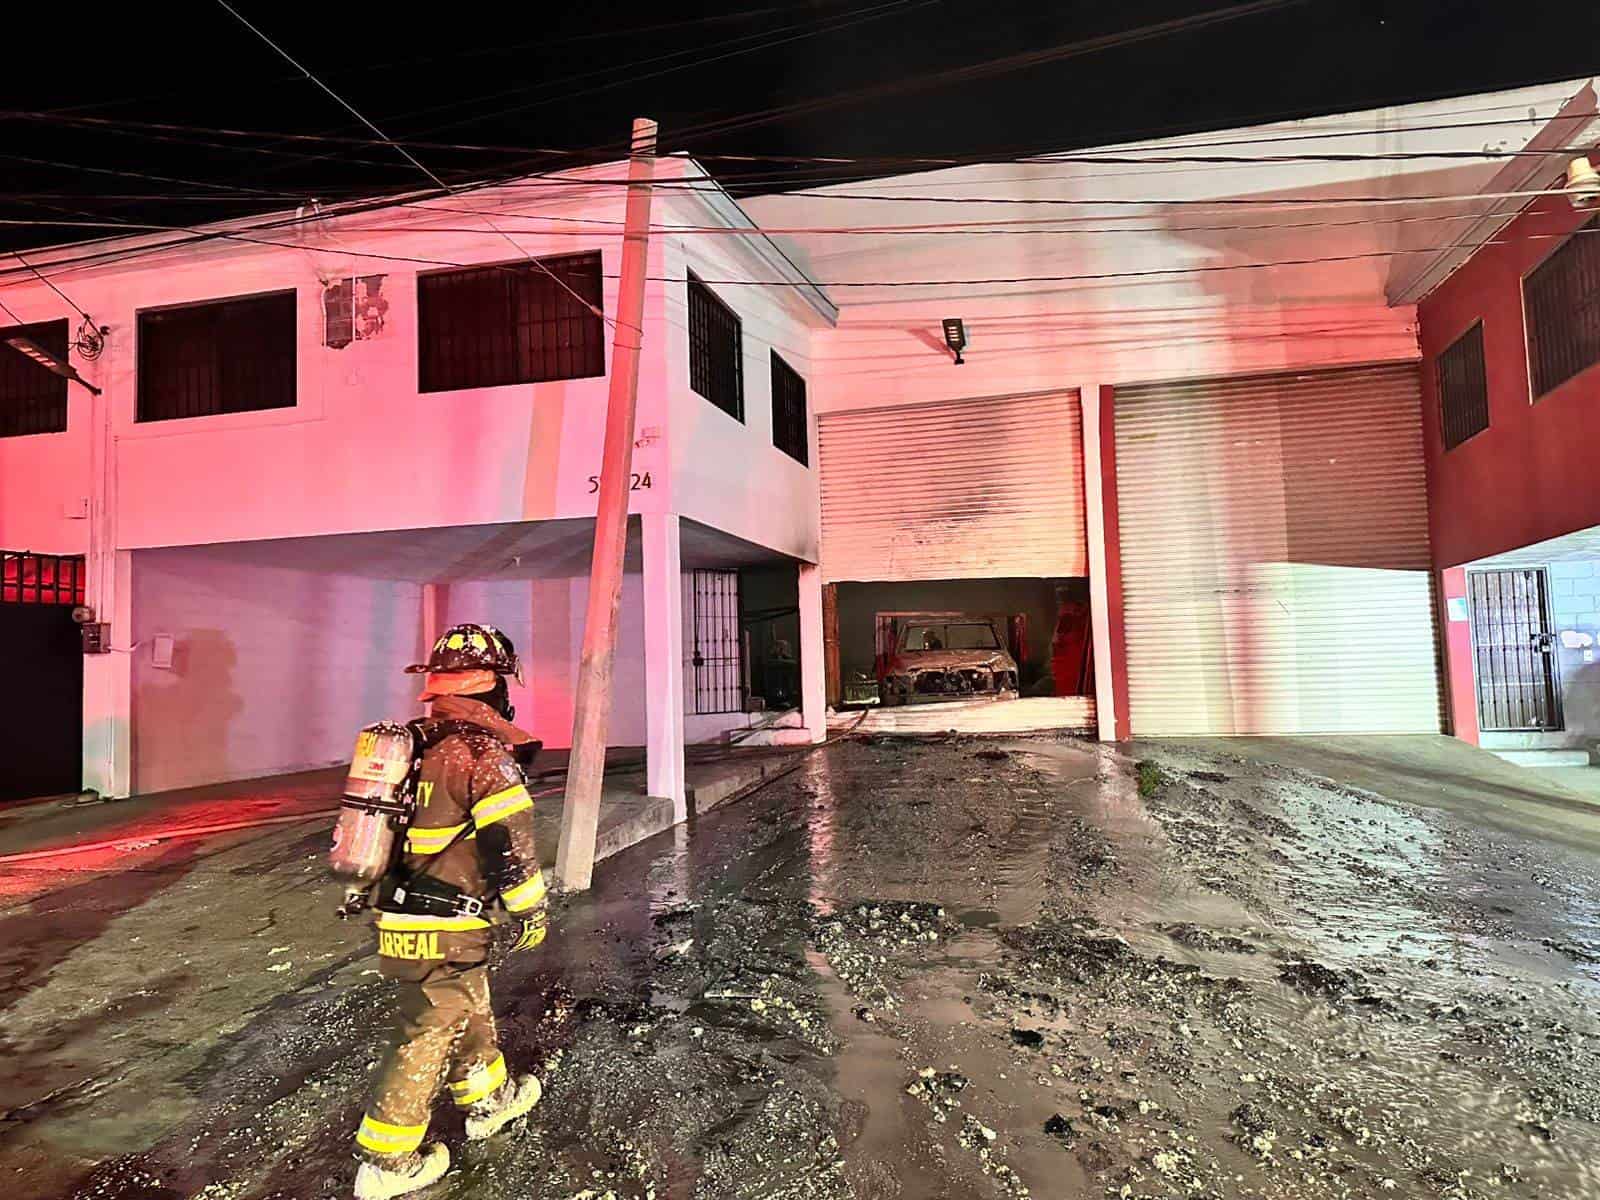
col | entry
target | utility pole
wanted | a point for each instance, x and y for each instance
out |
(580, 818)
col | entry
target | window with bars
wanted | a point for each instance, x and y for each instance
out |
(715, 677)
(1561, 297)
(716, 351)
(32, 399)
(41, 578)
(514, 322)
(224, 356)
(1463, 388)
(789, 411)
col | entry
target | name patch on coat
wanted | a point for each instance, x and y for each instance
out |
(413, 946)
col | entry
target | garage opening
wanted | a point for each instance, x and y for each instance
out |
(1042, 624)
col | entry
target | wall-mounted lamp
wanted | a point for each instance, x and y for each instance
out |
(1583, 184)
(955, 336)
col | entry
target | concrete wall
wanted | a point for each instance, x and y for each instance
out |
(1531, 475)
(363, 449)
(544, 617)
(274, 668)
(727, 473)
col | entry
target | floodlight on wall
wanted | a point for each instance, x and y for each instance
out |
(56, 366)
(955, 336)
(1583, 184)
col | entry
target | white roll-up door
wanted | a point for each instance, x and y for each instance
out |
(1274, 542)
(968, 489)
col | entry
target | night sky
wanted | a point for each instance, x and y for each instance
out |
(570, 77)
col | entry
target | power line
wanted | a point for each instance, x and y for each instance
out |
(994, 66)
(1133, 156)
(893, 283)
(1019, 227)
(409, 157)
(698, 57)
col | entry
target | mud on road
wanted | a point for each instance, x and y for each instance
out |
(973, 969)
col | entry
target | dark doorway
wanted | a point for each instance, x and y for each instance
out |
(41, 739)
(1513, 651)
(769, 598)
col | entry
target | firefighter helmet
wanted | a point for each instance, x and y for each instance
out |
(471, 648)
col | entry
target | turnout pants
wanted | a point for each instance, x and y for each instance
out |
(444, 1027)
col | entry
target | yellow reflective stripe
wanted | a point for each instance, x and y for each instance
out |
(501, 805)
(383, 1138)
(431, 841)
(525, 895)
(480, 1082)
(412, 922)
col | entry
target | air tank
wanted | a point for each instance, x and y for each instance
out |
(376, 807)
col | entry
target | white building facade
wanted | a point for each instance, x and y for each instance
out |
(318, 443)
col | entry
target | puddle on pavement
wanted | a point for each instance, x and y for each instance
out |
(1247, 984)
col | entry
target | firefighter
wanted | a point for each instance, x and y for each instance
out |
(470, 842)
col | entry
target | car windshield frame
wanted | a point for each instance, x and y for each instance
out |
(910, 642)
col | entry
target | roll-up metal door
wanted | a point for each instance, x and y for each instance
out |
(1275, 566)
(968, 489)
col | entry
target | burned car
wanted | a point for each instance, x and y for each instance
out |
(946, 656)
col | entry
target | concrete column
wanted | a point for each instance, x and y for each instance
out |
(108, 683)
(813, 679)
(1099, 485)
(1455, 627)
(663, 660)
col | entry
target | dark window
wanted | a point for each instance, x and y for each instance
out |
(32, 399)
(789, 410)
(229, 356)
(1562, 299)
(716, 659)
(41, 578)
(716, 355)
(510, 323)
(1463, 389)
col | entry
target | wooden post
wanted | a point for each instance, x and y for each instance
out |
(580, 818)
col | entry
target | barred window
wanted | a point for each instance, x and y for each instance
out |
(1561, 297)
(716, 352)
(516, 322)
(41, 578)
(32, 399)
(226, 356)
(789, 411)
(1463, 388)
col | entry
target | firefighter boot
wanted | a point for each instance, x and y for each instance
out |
(512, 1099)
(404, 1174)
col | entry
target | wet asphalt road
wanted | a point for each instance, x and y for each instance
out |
(954, 969)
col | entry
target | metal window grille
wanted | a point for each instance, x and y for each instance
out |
(1513, 650)
(41, 578)
(716, 352)
(32, 399)
(510, 323)
(228, 356)
(1561, 297)
(1463, 388)
(716, 657)
(789, 411)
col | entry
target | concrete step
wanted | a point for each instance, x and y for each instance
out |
(1545, 758)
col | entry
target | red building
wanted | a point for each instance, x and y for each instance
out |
(1510, 344)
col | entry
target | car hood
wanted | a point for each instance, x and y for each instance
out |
(923, 660)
